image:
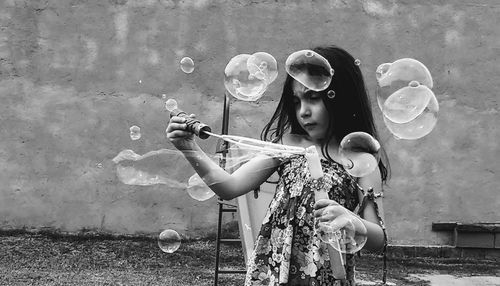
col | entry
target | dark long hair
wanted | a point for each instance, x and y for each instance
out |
(349, 111)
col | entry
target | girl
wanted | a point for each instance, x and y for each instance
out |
(288, 250)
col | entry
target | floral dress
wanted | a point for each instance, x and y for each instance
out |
(287, 250)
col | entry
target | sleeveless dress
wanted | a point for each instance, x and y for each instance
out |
(287, 250)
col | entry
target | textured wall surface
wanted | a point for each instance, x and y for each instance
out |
(75, 75)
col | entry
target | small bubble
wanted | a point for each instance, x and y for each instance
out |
(357, 62)
(169, 241)
(331, 94)
(187, 65)
(135, 132)
(99, 165)
(171, 104)
(414, 83)
(309, 54)
(164, 96)
(140, 81)
(198, 189)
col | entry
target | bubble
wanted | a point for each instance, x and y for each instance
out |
(155, 167)
(198, 190)
(330, 94)
(417, 128)
(169, 241)
(171, 104)
(342, 234)
(359, 153)
(394, 76)
(407, 103)
(140, 81)
(163, 96)
(263, 66)
(404, 96)
(187, 65)
(135, 132)
(240, 82)
(357, 62)
(310, 69)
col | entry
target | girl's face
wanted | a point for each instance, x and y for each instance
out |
(310, 111)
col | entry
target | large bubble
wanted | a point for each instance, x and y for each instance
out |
(244, 83)
(263, 66)
(405, 98)
(198, 190)
(359, 153)
(407, 103)
(417, 128)
(310, 69)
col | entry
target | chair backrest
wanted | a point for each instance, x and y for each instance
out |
(251, 212)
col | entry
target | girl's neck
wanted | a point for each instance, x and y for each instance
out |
(305, 141)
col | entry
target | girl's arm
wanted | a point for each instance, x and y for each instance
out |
(227, 186)
(375, 241)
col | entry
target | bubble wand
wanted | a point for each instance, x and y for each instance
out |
(204, 131)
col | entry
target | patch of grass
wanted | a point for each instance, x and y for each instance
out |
(41, 259)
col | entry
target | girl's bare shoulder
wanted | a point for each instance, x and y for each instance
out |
(295, 140)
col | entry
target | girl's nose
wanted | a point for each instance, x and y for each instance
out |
(305, 111)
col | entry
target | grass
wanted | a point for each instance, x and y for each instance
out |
(41, 259)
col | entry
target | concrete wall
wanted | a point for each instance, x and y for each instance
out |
(75, 75)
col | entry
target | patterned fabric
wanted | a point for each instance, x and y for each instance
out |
(287, 250)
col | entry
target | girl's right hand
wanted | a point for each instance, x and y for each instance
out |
(181, 138)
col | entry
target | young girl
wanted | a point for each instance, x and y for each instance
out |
(288, 251)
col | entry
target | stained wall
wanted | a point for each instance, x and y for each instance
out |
(75, 75)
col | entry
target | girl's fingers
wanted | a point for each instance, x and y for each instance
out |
(177, 119)
(324, 203)
(176, 126)
(178, 134)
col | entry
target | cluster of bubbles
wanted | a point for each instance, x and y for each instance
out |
(128, 171)
(404, 96)
(246, 77)
(358, 150)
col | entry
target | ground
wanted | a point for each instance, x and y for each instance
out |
(41, 259)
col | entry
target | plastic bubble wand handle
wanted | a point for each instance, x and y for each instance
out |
(336, 257)
(193, 125)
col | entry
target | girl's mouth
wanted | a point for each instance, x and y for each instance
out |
(309, 125)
